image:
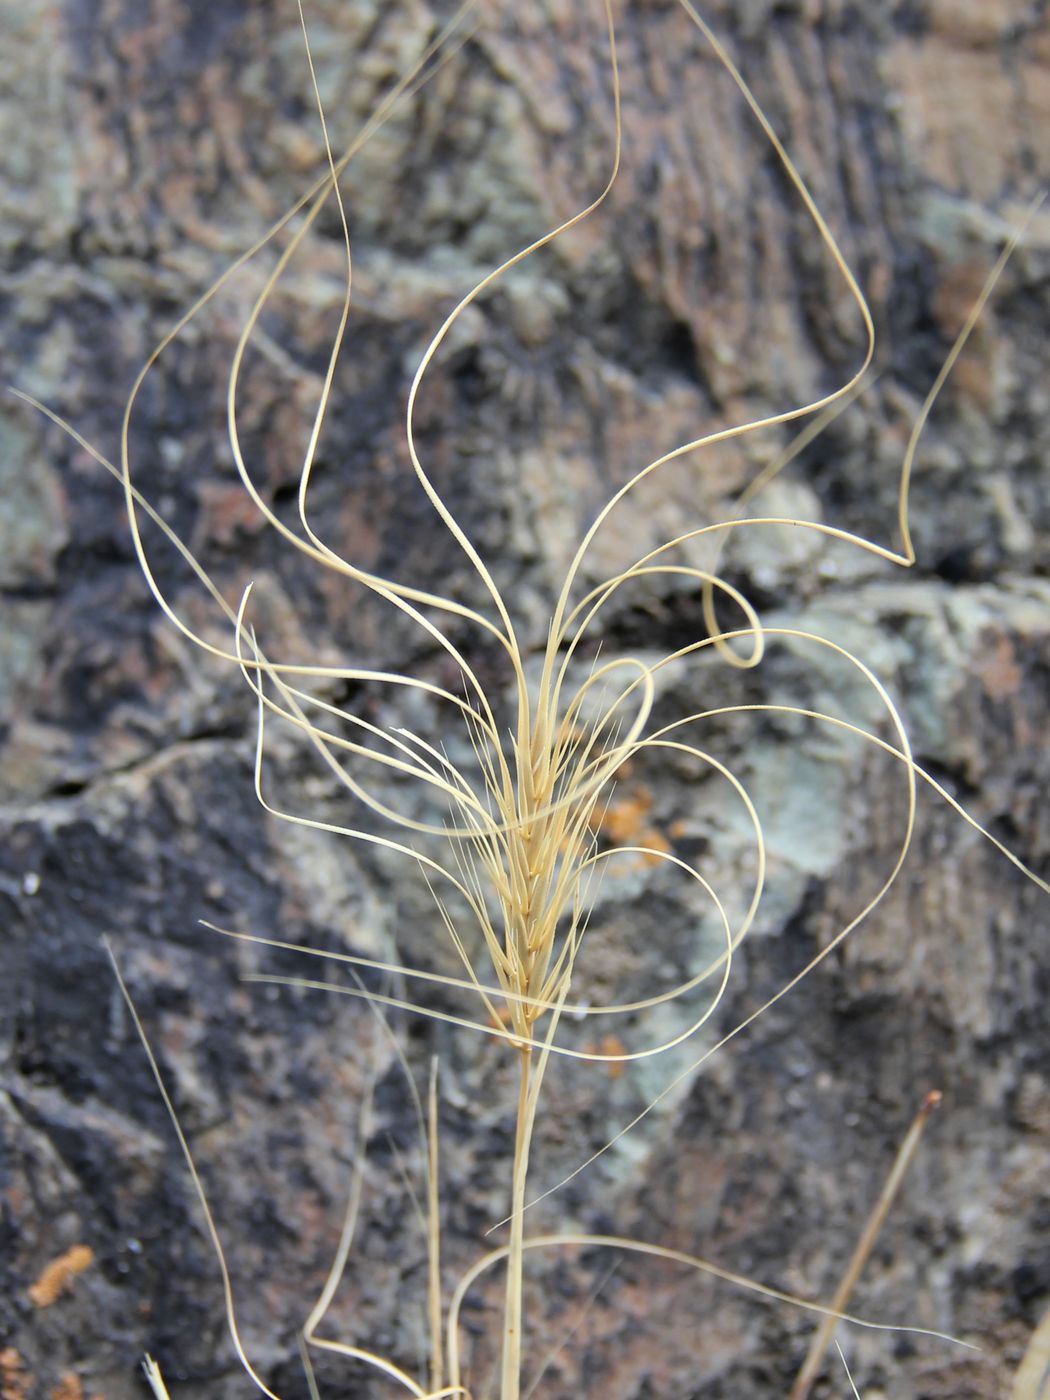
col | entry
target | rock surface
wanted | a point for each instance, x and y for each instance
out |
(144, 148)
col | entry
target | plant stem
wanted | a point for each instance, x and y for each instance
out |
(437, 1359)
(512, 1313)
(866, 1243)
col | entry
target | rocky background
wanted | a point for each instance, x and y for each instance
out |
(145, 146)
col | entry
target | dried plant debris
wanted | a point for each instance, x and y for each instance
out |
(59, 1276)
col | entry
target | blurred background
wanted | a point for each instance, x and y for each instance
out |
(144, 147)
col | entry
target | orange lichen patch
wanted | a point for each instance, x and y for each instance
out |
(623, 822)
(68, 1388)
(58, 1276)
(15, 1380)
(613, 1045)
(655, 841)
(608, 1045)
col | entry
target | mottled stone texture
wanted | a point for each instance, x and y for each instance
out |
(144, 144)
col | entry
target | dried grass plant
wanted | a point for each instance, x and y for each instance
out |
(510, 780)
